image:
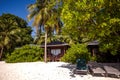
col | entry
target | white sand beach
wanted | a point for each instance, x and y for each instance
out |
(42, 71)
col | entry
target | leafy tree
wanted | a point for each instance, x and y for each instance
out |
(45, 17)
(109, 22)
(87, 20)
(13, 32)
(78, 17)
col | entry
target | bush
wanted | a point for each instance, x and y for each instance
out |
(27, 53)
(93, 58)
(75, 52)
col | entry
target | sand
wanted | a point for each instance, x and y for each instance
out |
(42, 71)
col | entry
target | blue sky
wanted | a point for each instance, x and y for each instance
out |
(16, 7)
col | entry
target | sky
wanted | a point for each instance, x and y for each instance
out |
(16, 7)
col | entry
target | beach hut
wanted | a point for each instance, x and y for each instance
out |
(55, 50)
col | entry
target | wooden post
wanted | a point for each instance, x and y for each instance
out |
(45, 53)
(1, 52)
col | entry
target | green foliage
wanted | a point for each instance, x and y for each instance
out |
(27, 53)
(78, 18)
(93, 58)
(46, 18)
(93, 20)
(75, 52)
(14, 32)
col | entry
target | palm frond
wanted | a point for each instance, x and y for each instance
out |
(31, 7)
(31, 15)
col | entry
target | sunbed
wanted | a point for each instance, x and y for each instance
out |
(112, 71)
(96, 69)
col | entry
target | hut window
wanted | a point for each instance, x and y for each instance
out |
(55, 51)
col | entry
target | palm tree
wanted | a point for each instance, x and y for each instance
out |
(7, 34)
(45, 16)
(13, 32)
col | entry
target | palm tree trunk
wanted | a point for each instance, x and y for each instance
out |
(45, 54)
(1, 52)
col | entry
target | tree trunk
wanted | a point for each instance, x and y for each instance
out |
(45, 53)
(1, 52)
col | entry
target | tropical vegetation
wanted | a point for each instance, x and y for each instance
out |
(27, 53)
(75, 52)
(89, 20)
(76, 22)
(46, 18)
(14, 32)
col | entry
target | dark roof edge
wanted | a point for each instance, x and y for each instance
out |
(65, 44)
(95, 42)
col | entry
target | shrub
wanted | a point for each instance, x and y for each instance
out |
(75, 52)
(27, 53)
(93, 58)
